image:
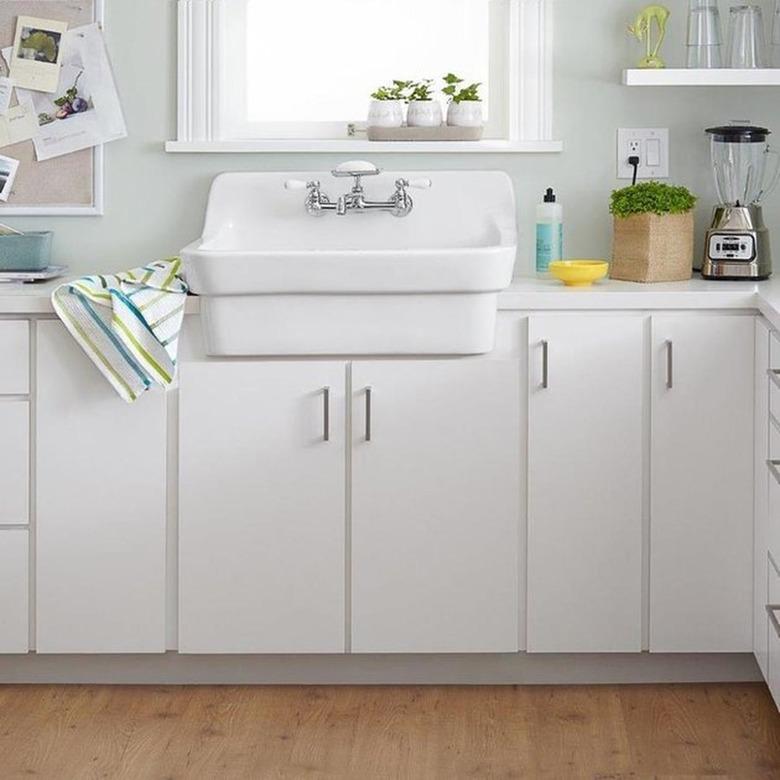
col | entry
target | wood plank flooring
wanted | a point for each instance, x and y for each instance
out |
(686, 731)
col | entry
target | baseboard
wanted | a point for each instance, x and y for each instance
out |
(519, 669)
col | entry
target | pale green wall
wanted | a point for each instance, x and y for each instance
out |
(155, 201)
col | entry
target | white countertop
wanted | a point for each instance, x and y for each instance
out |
(530, 295)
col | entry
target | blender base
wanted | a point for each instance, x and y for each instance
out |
(737, 246)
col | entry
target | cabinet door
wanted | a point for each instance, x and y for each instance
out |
(262, 508)
(702, 448)
(585, 484)
(761, 427)
(436, 467)
(100, 508)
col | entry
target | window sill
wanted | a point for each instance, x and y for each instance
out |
(356, 145)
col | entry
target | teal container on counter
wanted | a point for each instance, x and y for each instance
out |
(26, 252)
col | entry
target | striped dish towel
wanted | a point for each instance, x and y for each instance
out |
(128, 323)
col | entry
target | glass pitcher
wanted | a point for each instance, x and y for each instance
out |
(740, 161)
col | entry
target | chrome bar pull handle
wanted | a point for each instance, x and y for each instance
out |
(774, 468)
(369, 399)
(326, 414)
(669, 365)
(545, 365)
(772, 610)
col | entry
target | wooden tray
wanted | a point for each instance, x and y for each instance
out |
(441, 133)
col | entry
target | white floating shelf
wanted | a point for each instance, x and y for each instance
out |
(716, 77)
(407, 147)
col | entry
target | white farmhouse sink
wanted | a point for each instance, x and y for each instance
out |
(276, 281)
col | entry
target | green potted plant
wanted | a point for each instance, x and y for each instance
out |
(423, 111)
(465, 104)
(653, 233)
(387, 108)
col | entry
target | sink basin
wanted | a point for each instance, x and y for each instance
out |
(276, 281)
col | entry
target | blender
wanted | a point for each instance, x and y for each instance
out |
(737, 244)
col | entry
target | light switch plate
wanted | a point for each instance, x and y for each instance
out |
(651, 145)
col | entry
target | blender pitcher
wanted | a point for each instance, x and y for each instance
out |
(740, 160)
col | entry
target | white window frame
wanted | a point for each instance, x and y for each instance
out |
(528, 104)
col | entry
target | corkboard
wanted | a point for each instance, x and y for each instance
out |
(63, 183)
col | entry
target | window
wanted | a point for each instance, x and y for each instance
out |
(297, 74)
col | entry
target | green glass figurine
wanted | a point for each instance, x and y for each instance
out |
(642, 30)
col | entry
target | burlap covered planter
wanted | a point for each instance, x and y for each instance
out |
(651, 248)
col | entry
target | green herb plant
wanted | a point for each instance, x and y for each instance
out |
(651, 197)
(396, 91)
(459, 94)
(420, 90)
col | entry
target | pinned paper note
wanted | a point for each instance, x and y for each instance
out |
(37, 53)
(6, 89)
(19, 124)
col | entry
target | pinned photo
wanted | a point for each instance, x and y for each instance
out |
(39, 45)
(8, 169)
(37, 53)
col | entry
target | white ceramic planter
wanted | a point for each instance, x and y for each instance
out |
(386, 113)
(467, 113)
(424, 113)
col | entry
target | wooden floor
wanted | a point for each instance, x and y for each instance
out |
(71, 733)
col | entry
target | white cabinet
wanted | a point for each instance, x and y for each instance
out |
(14, 579)
(436, 506)
(262, 508)
(585, 484)
(278, 555)
(101, 520)
(702, 487)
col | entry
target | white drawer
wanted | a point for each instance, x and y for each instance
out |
(774, 393)
(14, 357)
(774, 438)
(14, 461)
(14, 587)
(773, 627)
(774, 349)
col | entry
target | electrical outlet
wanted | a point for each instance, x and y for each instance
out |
(651, 146)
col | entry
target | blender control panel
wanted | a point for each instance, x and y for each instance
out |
(724, 246)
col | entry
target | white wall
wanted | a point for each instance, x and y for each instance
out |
(155, 201)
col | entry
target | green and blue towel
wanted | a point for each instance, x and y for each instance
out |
(128, 323)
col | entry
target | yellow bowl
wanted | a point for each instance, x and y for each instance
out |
(579, 273)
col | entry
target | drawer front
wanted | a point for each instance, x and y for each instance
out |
(774, 437)
(14, 587)
(774, 393)
(14, 461)
(14, 357)
(774, 350)
(773, 626)
(773, 521)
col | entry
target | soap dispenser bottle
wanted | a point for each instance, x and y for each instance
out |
(549, 232)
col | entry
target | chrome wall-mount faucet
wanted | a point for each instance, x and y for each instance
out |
(317, 203)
